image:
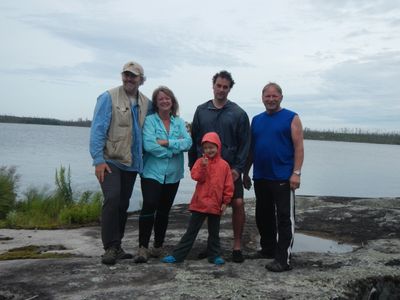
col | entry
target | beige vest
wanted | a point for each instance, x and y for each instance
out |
(119, 139)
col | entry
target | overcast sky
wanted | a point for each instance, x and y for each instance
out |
(338, 62)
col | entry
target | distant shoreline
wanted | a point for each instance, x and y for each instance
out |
(340, 135)
(43, 121)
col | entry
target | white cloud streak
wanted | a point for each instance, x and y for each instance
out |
(337, 61)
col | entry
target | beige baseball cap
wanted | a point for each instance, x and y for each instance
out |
(134, 68)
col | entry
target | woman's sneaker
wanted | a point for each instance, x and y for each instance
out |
(156, 252)
(142, 256)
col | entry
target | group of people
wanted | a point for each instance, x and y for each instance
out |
(131, 135)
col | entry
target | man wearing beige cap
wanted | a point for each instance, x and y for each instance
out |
(116, 149)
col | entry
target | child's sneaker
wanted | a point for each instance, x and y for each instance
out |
(219, 261)
(169, 259)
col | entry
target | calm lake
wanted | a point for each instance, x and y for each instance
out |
(330, 168)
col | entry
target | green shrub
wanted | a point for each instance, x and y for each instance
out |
(87, 210)
(52, 209)
(11, 219)
(41, 201)
(63, 184)
(38, 209)
(8, 184)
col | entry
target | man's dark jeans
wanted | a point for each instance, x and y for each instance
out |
(117, 190)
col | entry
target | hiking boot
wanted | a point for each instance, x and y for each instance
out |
(275, 266)
(237, 256)
(110, 256)
(121, 254)
(142, 256)
(156, 252)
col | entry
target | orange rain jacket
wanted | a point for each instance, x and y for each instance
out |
(214, 181)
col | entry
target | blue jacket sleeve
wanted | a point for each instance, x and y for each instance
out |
(150, 139)
(184, 140)
(99, 128)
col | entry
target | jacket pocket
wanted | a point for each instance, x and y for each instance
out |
(119, 150)
(123, 116)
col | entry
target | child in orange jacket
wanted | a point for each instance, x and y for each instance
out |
(214, 190)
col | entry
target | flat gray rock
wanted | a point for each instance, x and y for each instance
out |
(372, 269)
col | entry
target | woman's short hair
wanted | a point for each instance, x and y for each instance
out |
(170, 93)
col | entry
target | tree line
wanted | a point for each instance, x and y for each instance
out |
(342, 135)
(44, 121)
(353, 135)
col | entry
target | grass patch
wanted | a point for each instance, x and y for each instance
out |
(43, 209)
(34, 252)
(8, 183)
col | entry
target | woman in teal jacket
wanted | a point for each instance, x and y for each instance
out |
(165, 138)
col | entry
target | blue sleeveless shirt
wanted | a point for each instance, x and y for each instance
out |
(272, 146)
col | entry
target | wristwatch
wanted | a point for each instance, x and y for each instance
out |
(297, 172)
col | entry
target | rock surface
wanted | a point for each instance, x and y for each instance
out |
(370, 270)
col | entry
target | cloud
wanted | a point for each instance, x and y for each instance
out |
(160, 49)
(361, 93)
(337, 61)
(357, 77)
(348, 8)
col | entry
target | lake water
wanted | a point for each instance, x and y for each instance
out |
(330, 168)
(308, 243)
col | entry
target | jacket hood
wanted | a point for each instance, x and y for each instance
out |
(212, 137)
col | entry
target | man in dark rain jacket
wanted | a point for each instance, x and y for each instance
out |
(232, 125)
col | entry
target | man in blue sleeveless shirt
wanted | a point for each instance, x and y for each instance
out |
(277, 155)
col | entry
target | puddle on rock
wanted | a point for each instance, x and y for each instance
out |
(308, 243)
